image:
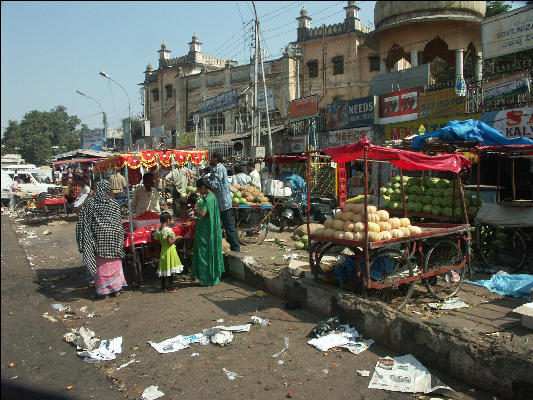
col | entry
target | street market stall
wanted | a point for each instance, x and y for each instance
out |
(138, 238)
(387, 255)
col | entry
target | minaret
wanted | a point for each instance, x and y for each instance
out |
(195, 49)
(164, 55)
(352, 22)
(304, 24)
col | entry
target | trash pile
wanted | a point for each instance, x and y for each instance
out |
(331, 333)
(84, 339)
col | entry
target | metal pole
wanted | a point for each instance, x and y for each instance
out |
(256, 128)
(129, 107)
(101, 108)
(130, 218)
(365, 214)
(270, 152)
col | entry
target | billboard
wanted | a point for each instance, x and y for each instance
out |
(350, 114)
(506, 87)
(399, 106)
(400, 80)
(440, 104)
(223, 102)
(92, 138)
(343, 136)
(516, 122)
(303, 108)
(261, 101)
(297, 144)
(404, 129)
(507, 33)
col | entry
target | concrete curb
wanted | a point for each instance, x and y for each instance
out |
(494, 367)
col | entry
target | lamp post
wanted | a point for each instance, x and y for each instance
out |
(103, 113)
(106, 75)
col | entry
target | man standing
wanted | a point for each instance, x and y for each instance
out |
(118, 182)
(254, 175)
(218, 178)
(179, 178)
(146, 197)
(239, 177)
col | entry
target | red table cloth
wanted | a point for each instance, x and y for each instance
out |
(42, 202)
(144, 234)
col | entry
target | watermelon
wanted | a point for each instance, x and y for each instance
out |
(435, 201)
(458, 211)
(385, 204)
(305, 238)
(447, 211)
(427, 209)
(235, 200)
(383, 190)
(418, 207)
(396, 185)
(427, 199)
(436, 210)
(390, 191)
(299, 245)
(396, 179)
(395, 205)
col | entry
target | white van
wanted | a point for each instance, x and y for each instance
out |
(30, 184)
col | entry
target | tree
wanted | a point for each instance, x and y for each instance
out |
(41, 134)
(136, 129)
(496, 7)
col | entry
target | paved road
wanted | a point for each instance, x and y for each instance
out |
(43, 360)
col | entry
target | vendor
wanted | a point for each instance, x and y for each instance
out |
(179, 179)
(240, 178)
(254, 176)
(146, 197)
(118, 183)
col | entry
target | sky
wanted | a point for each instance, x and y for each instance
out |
(51, 49)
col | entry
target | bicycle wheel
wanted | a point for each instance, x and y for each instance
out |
(249, 232)
(444, 254)
(388, 266)
(502, 247)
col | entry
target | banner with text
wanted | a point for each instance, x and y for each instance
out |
(350, 114)
(506, 87)
(404, 129)
(343, 136)
(517, 122)
(399, 106)
(92, 138)
(223, 102)
(440, 104)
(261, 101)
(303, 108)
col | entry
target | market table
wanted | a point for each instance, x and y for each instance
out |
(145, 234)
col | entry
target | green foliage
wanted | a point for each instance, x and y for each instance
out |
(42, 134)
(496, 7)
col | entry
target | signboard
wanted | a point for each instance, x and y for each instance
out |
(261, 101)
(297, 144)
(440, 104)
(350, 114)
(404, 129)
(345, 136)
(267, 66)
(506, 87)
(156, 131)
(303, 108)
(196, 119)
(516, 122)
(507, 33)
(92, 138)
(399, 106)
(147, 128)
(223, 102)
(400, 80)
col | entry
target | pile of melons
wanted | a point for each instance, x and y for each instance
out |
(349, 224)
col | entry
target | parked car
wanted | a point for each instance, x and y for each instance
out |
(30, 184)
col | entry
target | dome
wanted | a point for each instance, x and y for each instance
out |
(303, 12)
(388, 13)
(163, 45)
(149, 67)
(195, 37)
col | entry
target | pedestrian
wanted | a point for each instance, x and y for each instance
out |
(208, 259)
(14, 192)
(179, 179)
(254, 176)
(146, 197)
(218, 180)
(100, 239)
(118, 183)
(169, 261)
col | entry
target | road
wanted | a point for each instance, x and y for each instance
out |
(43, 361)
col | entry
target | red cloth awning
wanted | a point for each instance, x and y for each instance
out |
(404, 159)
(76, 160)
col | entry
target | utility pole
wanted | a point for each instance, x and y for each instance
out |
(324, 50)
(257, 129)
(266, 101)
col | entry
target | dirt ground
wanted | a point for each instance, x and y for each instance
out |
(145, 314)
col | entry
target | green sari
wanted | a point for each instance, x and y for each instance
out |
(208, 261)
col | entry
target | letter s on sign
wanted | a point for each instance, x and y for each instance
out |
(514, 117)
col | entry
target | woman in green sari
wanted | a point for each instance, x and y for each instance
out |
(207, 261)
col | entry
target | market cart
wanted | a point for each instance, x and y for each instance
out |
(436, 253)
(251, 222)
(139, 244)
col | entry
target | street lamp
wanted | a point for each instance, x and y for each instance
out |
(103, 113)
(106, 75)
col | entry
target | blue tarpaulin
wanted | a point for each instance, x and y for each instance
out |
(515, 285)
(470, 130)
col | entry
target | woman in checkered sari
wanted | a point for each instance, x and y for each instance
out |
(100, 239)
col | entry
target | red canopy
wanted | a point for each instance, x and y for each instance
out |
(404, 159)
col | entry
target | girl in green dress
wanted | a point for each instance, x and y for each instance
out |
(169, 261)
(207, 261)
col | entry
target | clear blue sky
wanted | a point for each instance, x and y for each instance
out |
(50, 49)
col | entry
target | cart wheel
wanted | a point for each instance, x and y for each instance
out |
(502, 247)
(245, 226)
(332, 251)
(444, 254)
(391, 265)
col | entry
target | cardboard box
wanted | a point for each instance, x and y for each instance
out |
(526, 310)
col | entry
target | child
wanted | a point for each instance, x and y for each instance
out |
(187, 212)
(169, 261)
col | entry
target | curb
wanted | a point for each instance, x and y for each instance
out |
(494, 367)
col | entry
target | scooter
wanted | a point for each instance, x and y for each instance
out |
(293, 210)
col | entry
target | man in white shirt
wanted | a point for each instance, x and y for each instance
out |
(240, 178)
(146, 197)
(179, 178)
(254, 175)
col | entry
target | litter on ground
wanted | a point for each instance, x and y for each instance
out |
(60, 307)
(450, 304)
(363, 372)
(504, 284)
(342, 336)
(126, 364)
(260, 321)
(284, 349)
(105, 352)
(231, 375)
(151, 393)
(49, 317)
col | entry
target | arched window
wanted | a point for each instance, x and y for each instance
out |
(438, 48)
(216, 124)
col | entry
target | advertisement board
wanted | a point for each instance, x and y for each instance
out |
(303, 108)
(399, 106)
(440, 104)
(506, 87)
(95, 137)
(343, 136)
(223, 102)
(516, 122)
(507, 33)
(350, 114)
(156, 131)
(404, 129)
(261, 101)
(297, 144)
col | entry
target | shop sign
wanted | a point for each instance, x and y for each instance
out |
(399, 106)
(92, 138)
(303, 108)
(261, 101)
(506, 87)
(516, 122)
(405, 129)
(297, 144)
(223, 102)
(440, 104)
(507, 33)
(350, 114)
